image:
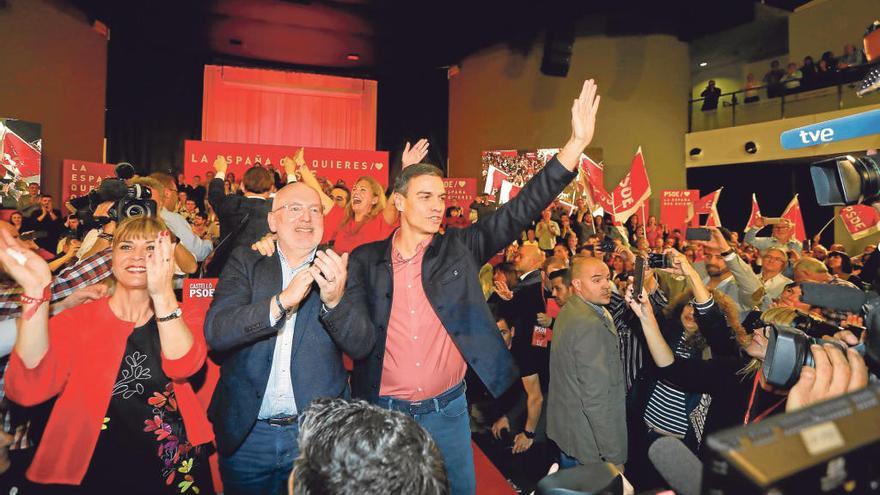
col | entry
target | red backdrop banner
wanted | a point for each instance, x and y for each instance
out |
(331, 164)
(675, 206)
(460, 191)
(79, 177)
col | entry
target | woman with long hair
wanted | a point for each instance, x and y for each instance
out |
(126, 418)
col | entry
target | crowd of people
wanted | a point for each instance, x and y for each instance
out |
(520, 326)
(829, 70)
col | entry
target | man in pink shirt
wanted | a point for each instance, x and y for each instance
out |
(420, 292)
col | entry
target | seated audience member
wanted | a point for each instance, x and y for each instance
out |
(29, 203)
(16, 219)
(792, 78)
(127, 367)
(808, 71)
(751, 89)
(851, 57)
(830, 61)
(782, 237)
(773, 262)
(349, 447)
(242, 218)
(824, 73)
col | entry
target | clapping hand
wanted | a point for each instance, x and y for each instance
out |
(330, 272)
(503, 291)
(22, 264)
(160, 266)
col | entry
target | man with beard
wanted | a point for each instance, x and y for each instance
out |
(586, 411)
(726, 272)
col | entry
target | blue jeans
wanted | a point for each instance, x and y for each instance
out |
(450, 429)
(262, 464)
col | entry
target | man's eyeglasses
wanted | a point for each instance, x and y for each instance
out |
(296, 210)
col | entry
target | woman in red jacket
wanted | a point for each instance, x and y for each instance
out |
(126, 419)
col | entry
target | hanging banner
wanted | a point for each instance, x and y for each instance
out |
(460, 191)
(79, 177)
(676, 205)
(330, 164)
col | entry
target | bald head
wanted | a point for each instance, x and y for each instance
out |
(528, 258)
(590, 279)
(299, 189)
(810, 270)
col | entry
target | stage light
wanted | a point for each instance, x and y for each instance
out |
(704, 64)
(354, 57)
(751, 148)
(695, 153)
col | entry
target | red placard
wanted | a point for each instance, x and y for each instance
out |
(460, 191)
(675, 205)
(860, 220)
(79, 177)
(331, 164)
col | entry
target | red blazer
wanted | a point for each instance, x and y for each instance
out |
(86, 346)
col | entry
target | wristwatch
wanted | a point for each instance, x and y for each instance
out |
(176, 314)
(529, 434)
(727, 253)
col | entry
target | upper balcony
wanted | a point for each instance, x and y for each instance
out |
(838, 93)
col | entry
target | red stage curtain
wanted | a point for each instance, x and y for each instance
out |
(261, 106)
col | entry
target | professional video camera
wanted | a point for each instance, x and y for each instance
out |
(130, 201)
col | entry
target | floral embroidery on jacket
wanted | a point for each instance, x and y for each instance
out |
(175, 455)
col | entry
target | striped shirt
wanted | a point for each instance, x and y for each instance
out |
(666, 406)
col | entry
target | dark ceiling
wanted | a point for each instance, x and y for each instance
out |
(391, 34)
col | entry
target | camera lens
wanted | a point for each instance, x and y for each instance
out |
(135, 210)
(846, 180)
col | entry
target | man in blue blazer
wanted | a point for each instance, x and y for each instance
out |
(420, 293)
(276, 353)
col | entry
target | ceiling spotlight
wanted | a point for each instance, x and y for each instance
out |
(695, 153)
(704, 64)
(354, 57)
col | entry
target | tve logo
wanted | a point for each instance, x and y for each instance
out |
(852, 126)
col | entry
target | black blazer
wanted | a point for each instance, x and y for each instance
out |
(450, 277)
(231, 210)
(237, 329)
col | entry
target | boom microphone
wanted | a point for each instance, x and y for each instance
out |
(677, 464)
(833, 296)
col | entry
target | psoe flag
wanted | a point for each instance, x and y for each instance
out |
(849, 127)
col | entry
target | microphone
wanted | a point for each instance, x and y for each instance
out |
(833, 296)
(677, 464)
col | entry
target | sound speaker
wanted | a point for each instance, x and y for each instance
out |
(558, 47)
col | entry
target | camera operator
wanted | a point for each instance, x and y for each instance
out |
(812, 270)
(165, 194)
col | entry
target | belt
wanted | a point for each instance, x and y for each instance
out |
(281, 421)
(424, 406)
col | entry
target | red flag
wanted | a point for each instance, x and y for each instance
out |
(860, 220)
(18, 155)
(756, 213)
(633, 189)
(507, 191)
(494, 177)
(708, 205)
(592, 178)
(793, 214)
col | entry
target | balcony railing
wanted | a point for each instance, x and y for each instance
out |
(838, 93)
